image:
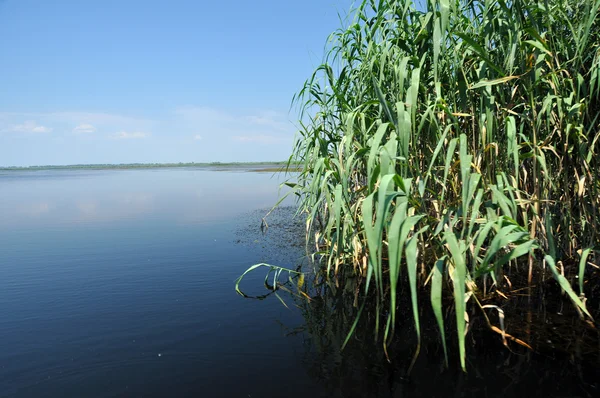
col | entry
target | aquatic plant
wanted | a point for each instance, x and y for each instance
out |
(361, 369)
(446, 144)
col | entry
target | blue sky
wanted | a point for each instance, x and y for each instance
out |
(124, 81)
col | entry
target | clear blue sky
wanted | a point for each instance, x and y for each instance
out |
(123, 81)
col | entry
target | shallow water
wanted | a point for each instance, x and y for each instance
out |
(121, 283)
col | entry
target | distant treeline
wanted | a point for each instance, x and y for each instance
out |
(144, 165)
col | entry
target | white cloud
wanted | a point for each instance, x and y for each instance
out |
(84, 129)
(30, 127)
(261, 139)
(262, 127)
(270, 120)
(124, 135)
(63, 122)
(99, 119)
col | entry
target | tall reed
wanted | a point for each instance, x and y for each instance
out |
(446, 143)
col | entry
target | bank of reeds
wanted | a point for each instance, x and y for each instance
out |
(446, 143)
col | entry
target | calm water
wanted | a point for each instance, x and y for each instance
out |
(120, 283)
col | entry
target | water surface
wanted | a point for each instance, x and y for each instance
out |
(120, 283)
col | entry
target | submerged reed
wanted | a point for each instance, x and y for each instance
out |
(444, 144)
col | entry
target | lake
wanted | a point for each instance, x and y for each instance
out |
(120, 283)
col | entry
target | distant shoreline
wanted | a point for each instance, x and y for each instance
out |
(255, 166)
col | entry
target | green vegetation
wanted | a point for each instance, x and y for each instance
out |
(267, 166)
(454, 147)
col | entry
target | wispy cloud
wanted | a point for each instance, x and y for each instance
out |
(99, 119)
(30, 126)
(262, 127)
(260, 139)
(270, 120)
(84, 129)
(63, 122)
(188, 133)
(124, 135)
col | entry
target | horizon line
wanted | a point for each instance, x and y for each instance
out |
(140, 164)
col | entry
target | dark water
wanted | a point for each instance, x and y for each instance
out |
(121, 284)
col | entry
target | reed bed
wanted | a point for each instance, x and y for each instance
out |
(444, 145)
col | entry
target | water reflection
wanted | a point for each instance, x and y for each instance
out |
(34, 209)
(362, 370)
(102, 271)
(113, 208)
(67, 198)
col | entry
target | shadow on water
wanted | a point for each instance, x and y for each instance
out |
(564, 359)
